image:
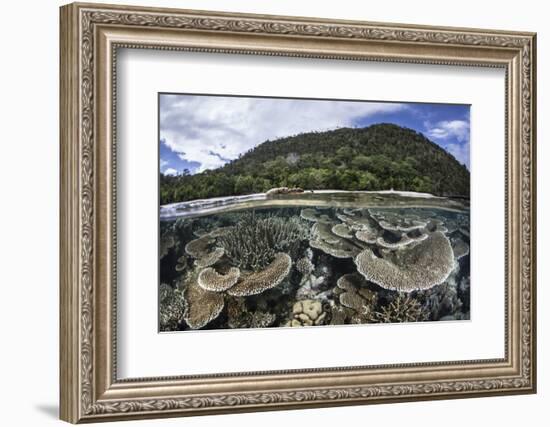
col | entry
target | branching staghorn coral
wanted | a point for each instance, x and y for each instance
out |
(254, 241)
(240, 316)
(171, 307)
(404, 308)
(304, 266)
(262, 319)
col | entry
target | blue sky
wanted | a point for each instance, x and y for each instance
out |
(200, 132)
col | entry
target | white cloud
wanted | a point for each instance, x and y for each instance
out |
(454, 136)
(170, 171)
(163, 163)
(210, 130)
(461, 152)
(447, 129)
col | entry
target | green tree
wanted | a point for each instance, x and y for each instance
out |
(377, 157)
(244, 184)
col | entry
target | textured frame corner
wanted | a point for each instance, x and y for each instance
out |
(90, 35)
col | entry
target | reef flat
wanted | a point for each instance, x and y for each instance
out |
(312, 259)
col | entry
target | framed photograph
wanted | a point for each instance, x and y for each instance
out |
(267, 212)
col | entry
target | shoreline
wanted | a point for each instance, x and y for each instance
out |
(311, 198)
(259, 196)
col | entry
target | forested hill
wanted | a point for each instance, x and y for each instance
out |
(378, 157)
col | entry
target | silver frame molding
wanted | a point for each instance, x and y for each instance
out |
(90, 37)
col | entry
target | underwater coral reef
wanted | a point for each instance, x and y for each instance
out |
(302, 266)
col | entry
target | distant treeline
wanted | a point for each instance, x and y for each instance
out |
(379, 157)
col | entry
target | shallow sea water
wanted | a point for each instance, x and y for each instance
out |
(313, 259)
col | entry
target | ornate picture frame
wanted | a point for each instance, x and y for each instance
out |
(90, 37)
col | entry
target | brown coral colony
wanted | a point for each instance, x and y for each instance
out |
(257, 282)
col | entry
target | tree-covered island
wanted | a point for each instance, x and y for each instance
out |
(378, 157)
